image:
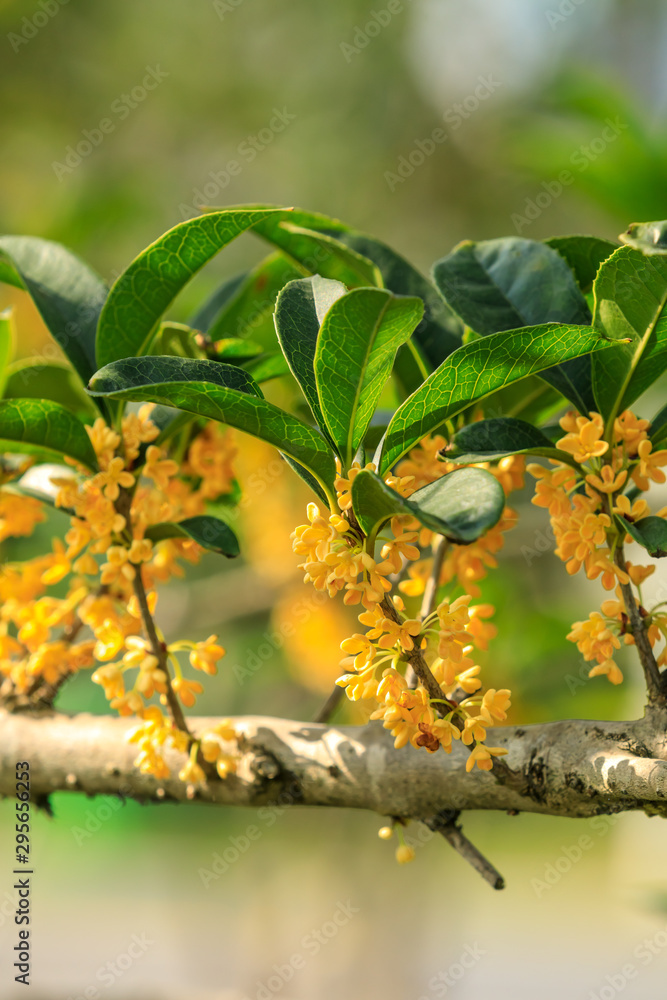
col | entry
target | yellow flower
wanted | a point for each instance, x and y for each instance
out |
(483, 757)
(103, 439)
(650, 464)
(18, 515)
(158, 468)
(399, 632)
(111, 679)
(192, 774)
(343, 483)
(594, 639)
(474, 729)
(607, 481)
(206, 654)
(608, 668)
(404, 854)
(361, 648)
(113, 478)
(495, 705)
(630, 431)
(59, 566)
(584, 438)
(110, 640)
(118, 568)
(186, 690)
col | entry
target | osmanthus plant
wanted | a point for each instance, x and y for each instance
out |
(419, 404)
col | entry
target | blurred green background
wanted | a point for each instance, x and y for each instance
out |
(523, 90)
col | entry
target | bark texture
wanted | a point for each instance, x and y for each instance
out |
(570, 768)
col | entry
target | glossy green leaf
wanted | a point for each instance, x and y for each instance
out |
(249, 309)
(31, 378)
(176, 339)
(236, 350)
(354, 356)
(491, 440)
(36, 426)
(300, 311)
(584, 254)
(217, 391)
(150, 284)
(478, 369)
(651, 532)
(209, 532)
(9, 276)
(630, 298)
(439, 332)
(223, 294)
(300, 235)
(509, 283)
(68, 295)
(658, 429)
(267, 366)
(7, 342)
(462, 505)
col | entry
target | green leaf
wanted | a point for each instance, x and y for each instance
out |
(439, 332)
(209, 532)
(235, 350)
(7, 342)
(478, 369)
(300, 311)
(150, 284)
(8, 275)
(217, 391)
(204, 316)
(267, 366)
(176, 339)
(630, 297)
(584, 254)
(68, 295)
(354, 355)
(509, 283)
(462, 505)
(31, 378)
(491, 440)
(651, 532)
(251, 305)
(35, 426)
(300, 235)
(658, 429)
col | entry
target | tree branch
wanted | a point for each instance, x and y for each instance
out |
(570, 768)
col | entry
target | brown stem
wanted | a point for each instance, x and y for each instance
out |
(446, 824)
(431, 589)
(416, 660)
(330, 705)
(650, 667)
(159, 651)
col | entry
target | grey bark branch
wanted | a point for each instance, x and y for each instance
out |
(571, 768)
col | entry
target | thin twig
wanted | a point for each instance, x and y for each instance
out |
(433, 582)
(652, 676)
(159, 650)
(416, 660)
(446, 824)
(330, 705)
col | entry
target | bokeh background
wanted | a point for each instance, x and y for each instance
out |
(360, 88)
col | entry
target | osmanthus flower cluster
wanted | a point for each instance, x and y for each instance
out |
(594, 506)
(111, 570)
(339, 557)
(409, 483)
